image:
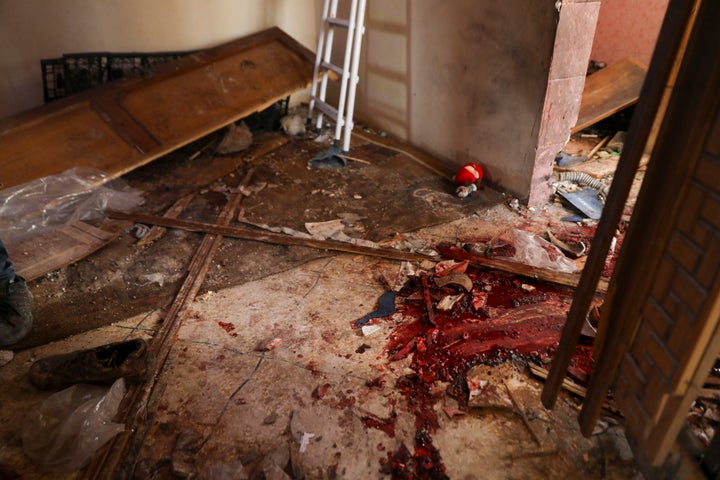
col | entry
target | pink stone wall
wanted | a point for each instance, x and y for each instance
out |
(571, 51)
(627, 28)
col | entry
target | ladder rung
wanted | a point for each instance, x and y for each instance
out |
(330, 66)
(339, 22)
(328, 110)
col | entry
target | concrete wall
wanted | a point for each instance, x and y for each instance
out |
(463, 79)
(628, 28)
(36, 29)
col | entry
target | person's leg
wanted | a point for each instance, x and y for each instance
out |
(7, 269)
(15, 302)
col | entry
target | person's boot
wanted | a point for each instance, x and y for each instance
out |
(103, 364)
(15, 311)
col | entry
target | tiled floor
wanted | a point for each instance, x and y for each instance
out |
(269, 376)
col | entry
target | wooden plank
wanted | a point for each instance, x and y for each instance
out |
(652, 91)
(132, 410)
(269, 237)
(121, 126)
(560, 278)
(680, 142)
(610, 90)
(124, 124)
(57, 248)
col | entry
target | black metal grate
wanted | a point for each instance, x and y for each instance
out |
(76, 72)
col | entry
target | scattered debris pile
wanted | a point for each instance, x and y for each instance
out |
(454, 318)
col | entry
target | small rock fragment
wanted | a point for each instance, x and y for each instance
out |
(293, 124)
(267, 345)
(236, 139)
(484, 391)
(370, 329)
(6, 357)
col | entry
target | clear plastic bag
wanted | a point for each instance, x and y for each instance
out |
(535, 251)
(61, 436)
(76, 194)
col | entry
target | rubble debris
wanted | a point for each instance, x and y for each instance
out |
(6, 357)
(453, 412)
(370, 329)
(585, 201)
(320, 391)
(252, 189)
(305, 441)
(617, 142)
(484, 391)
(493, 325)
(451, 266)
(149, 278)
(183, 458)
(563, 159)
(386, 425)
(268, 345)
(385, 307)
(363, 348)
(428, 299)
(274, 472)
(270, 419)
(237, 138)
(459, 279)
(293, 124)
(576, 250)
(449, 301)
(139, 230)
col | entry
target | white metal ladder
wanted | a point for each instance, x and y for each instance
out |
(343, 114)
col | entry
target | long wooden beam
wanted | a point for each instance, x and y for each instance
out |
(134, 404)
(446, 251)
(269, 237)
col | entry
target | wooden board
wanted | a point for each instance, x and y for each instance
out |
(610, 90)
(42, 254)
(121, 126)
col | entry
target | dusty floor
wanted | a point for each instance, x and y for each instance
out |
(265, 372)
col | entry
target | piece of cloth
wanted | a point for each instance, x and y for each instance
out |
(7, 269)
(385, 307)
(15, 303)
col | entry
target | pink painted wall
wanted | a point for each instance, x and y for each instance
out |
(627, 28)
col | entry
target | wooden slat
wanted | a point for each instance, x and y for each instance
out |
(57, 248)
(132, 410)
(121, 126)
(124, 124)
(610, 90)
(269, 237)
(559, 278)
(669, 40)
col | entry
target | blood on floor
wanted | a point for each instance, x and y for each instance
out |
(503, 317)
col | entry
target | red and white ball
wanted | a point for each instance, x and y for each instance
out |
(469, 173)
